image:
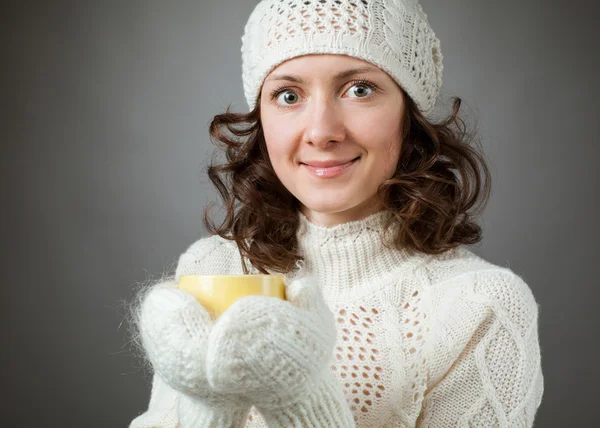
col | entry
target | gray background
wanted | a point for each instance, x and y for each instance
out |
(104, 144)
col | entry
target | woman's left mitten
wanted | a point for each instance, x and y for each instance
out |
(272, 350)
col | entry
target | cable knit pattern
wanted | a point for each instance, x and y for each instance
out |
(395, 35)
(422, 340)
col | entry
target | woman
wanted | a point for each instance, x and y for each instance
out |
(340, 179)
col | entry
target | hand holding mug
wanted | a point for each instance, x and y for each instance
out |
(276, 355)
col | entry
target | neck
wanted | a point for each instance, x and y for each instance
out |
(351, 257)
(361, 211)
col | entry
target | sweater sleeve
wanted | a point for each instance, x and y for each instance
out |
(162, 410)
(487, 373)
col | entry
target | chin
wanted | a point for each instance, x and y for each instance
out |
(331, 206)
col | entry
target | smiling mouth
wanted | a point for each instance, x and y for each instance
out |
(331, 171)
(330, 166)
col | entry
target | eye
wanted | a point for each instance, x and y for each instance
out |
(361, 90)
(288, 98)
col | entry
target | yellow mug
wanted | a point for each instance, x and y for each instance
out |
(217, 292)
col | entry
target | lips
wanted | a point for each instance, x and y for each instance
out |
(334, 170)
(329, 163)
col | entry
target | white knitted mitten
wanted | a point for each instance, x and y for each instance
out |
(174, 330)
(276, 353)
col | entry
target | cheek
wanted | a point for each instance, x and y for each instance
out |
(393, 148)
(381, 136)
(279, 141)
(386, 158)
(273, 137)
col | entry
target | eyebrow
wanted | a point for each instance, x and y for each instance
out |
(339, 76)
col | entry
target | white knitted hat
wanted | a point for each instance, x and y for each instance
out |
(391, 34)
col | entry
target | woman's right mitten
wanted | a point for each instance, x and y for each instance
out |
(174, 330)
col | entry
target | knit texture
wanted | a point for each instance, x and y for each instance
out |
(324, 406)
(395, 35)
(422, 340)
(175, 330)
(268, 349)
(276, 354)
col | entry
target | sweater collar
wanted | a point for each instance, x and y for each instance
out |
(350, 257)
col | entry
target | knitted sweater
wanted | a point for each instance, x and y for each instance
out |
(423, 340)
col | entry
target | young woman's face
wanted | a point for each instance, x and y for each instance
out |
(324, 110)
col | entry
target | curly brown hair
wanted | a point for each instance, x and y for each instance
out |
(440, 184)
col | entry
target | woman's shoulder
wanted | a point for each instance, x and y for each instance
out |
(462, 274)
(453, 263)
(474, 303)
(210, 255)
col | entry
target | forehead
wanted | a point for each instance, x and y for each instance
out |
(321, 65)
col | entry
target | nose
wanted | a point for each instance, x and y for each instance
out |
(324, 123)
